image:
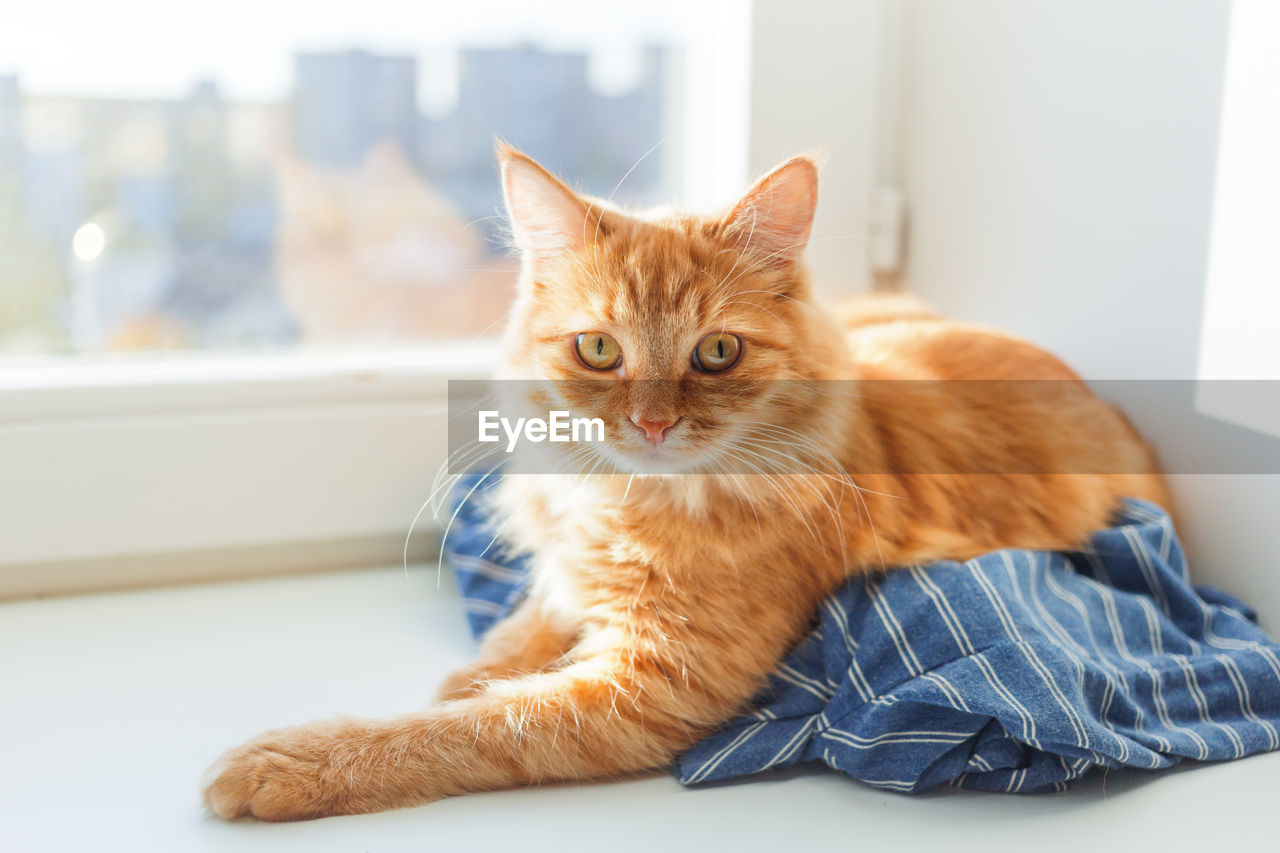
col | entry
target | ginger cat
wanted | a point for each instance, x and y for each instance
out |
(655, 618)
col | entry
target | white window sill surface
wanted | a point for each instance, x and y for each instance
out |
(116, 703)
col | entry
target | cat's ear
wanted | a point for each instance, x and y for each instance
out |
(547, 218)
(772, 221)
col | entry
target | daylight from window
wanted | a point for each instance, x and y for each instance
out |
(322, 180)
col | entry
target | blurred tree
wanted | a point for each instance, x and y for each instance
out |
(34, 287)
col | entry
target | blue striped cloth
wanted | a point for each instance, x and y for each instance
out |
(1016, 671)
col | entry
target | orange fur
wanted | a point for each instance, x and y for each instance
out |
(660, 602)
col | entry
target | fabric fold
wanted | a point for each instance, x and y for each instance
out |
(1016, 671)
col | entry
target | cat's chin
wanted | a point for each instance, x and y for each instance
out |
(656, 461)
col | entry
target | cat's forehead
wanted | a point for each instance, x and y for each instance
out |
(659, 272)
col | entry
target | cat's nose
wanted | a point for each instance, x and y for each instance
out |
(654, 430)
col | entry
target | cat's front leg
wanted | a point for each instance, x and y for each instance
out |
(611, 713)
(531, 638)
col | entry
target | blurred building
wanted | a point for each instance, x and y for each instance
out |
(345, 103)
(543, 102)
(10, 131)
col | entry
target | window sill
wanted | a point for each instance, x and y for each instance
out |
(62, 388)
(178, 675)
(115, 465)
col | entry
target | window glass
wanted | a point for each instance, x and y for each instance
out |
(279, 174)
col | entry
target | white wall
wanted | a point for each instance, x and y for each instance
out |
(815, 83)
(1059, 163)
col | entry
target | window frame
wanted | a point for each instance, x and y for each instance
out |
(126, 471)
(1239, 307)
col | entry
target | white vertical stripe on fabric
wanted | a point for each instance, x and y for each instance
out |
(940, 602)
(1149, 572)
(832, 605)
(791, 746)
(1117, 633)
(1202, 704)
(1157, 692)
(894, 629)
(1070, 647)
(993, 597)
(793, 676)
(1068, 707)
(1099, 568)
(486, 568)
(714, 761)
(1154, 635)
(1246, 701)
(1101, 657)
(860, 683)
(1006, 619)
(1028, 721)
(1162, 709)
(949, 691)
(1218, 641)
(1135, 510)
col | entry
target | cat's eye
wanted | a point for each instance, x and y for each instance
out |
(598, 351)
(717, 352)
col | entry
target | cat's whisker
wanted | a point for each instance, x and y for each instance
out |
(794, 438)
(445, 535)
(781, 322)
(480, 334)
(452, 413)
(815, 309)
(833, 510)
(864, 508)
(844, 476)
(751, 233)
(809, 471)
(747, 446)
(871, 523)
(796, 245)
(407, 581)
(437, 489)
(636, 165)
(755, 430)
(767, 445)
(595, 237)
(462, 458)
(512, 514)
(788, 496)
(495, 215)
(741, 493)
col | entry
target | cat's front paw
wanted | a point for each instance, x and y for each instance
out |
(283, 775)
